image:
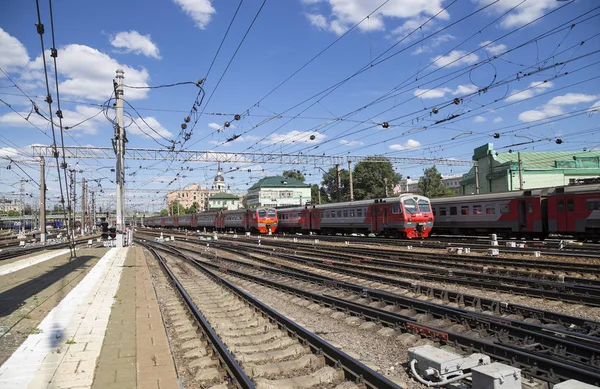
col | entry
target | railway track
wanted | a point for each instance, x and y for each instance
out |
(4, 255)
(539, 352)
(252, 340)
(583, 294)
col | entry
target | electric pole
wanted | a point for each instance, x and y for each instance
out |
(93, 224)
(42, 200)
(120, 152)
(339, 184)
(83, 206)
(71, 220)
(520, 171)
(351, 183)
(22, 205)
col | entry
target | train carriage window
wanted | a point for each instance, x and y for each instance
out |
(464, 210)
(561, 205)
(351, 213)
(345, 213)
(443, 211)
(477, 210)
(504, 208)
(326, 214)
(359, 212)
(453, 211)
(434, 210)
(570, 205)
(529, 208)
(592, 204)
(490, 210)
(410, 206)
(424, 206)
(339, 213)
(271, 213)
(395, 208)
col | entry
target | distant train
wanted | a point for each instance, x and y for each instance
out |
(569, 210)
(407, 215)
(262, 220)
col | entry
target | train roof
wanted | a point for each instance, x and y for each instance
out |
(590, 188)
(359, 203)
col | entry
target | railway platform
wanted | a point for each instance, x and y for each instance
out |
(107, 332)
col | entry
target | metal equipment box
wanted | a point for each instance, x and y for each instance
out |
(442, 364)
(573, 384)
(496, 376)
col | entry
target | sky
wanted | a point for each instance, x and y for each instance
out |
(416, 79)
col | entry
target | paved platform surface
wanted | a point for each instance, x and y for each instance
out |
(106, 333)
(30, 261)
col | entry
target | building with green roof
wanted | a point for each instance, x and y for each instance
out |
(277, 191)
(501, 171)
(224, 200)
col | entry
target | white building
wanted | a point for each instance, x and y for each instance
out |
(453, 182)
(278, 191)
(226, 201)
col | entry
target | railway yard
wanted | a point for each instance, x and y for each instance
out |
(185, 309)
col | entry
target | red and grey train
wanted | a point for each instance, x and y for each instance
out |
(262, 220)
(407, 215)
(569, 210)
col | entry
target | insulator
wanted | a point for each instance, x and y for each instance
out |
(496, 135)
(559, 141)
(183, 126)
(435, 110)
(456, 100)
(237, 117)
(227, 124)
(385, 125)
(312, 137)
(186, 119)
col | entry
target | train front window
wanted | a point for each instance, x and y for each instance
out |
(410, 206)
(272, 213)
(262, 213)
(424, 206)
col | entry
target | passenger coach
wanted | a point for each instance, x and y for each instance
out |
(407, 215)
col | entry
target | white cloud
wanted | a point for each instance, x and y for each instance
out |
(594, 108)
(134, 42)
(554, 106)
(13, 54)
(435, 41)
(497, 120)
(533, 89)
(465, 89)
(295, 137)
(479, 119)
(409, 145)
(9, 152)
(524, 13)
(214, 126)
(199, 10)
(351, 142)
(88, 73)
(431, 93)
(455, 58)
(145, 132)
(493, 48)
(339, 15)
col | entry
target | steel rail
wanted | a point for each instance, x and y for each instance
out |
(355, 370)
(537, 365)
(585, 348)
(233, 368)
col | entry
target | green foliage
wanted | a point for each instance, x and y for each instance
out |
(314, 193)
(295, 174)
(164, 212)
(194, 208)
(329, 184)
(431, 184)
(371, 179)
(245, 201)
(13, 213)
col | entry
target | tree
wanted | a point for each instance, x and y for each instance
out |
(245, 201)
(295, 174)
(374, 179)
(314, 193)
(431, 184)
(330, 184)
(177, 208)
(164, 212)
(193, 208)
(12, 212)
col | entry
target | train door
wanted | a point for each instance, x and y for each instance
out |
(385, 218)
(523, 216)
(374, 217)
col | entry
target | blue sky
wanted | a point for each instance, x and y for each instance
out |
(407, 60)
